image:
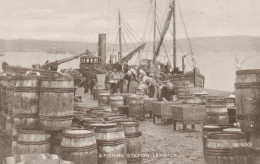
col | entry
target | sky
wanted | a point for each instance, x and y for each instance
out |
(83, 20)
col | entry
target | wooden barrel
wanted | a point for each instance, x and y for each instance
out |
(133, 141)
(14, 137)
(181, 90)
(255, 147)
(232, 114)
(136, 109)
(50, 161)
(96, 90)
(217, 110)
(111, 144)
(3, 101)
(55, 142)
(26, 102)
(79, 146)
(247, 89)
(26, 158)
(209, 129)
(56, 103)
(125, 95)
(112, 117)
(104, 98)
(116, 101)
(226, 148)
(33, 141)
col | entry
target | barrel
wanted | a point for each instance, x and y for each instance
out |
(133, 141)
(3, 101)
(112, 117)
(85, 120)
(255, 147)
(247, 89)
(26, 102)
(26, 158)
(181, 90)
(111, 144)
(33, 141)
(56, 103)
(79, 146)
(209, 129)
(226, 148)
(136, 107)
(96, 91)
(14, 136)
(217, 110)
(232, 114)
(55, 142)
(104, 98)
(125, 95)
(115, 101)
(82, 106)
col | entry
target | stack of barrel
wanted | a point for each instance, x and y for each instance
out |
(222, 142)
(181, 87)
(247, 99)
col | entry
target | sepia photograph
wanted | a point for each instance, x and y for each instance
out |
(129, 82)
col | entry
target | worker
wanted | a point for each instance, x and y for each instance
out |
(125, 67)
(113, 81)
(167, 93)
(132, 81)
(87, 76)
(152, 87)
(93, 81)
(107, 80)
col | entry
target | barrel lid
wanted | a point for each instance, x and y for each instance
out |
(78, 133)
(248, 71)
(109, 125)
(226, 135)
(213, 127)
(129, 123)
(232, 130)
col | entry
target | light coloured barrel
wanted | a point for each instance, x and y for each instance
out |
(217, 112)
(136, 108)
(33, 141)
(111, 144)
(26, 102)
(56, 103)
(225, 148)
(247, 89)
(115, 101)
(27, 158)
(133, 141)
(79, 146)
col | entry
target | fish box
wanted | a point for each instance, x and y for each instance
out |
(188, 114)
(162, 110)
(148, 102)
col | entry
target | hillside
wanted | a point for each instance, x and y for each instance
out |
(213, 44)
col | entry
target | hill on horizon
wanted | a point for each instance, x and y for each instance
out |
(202, 44)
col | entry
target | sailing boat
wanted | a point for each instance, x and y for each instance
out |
(195, 77)
(120, 58)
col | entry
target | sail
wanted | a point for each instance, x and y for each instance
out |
(131, 54)
(165, 28)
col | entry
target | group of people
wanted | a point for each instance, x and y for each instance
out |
(129, 79)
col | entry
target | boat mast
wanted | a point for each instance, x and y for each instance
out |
(154, 31)
(120, 40)
(174, 35)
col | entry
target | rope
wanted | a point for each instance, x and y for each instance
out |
(131, 30)
(193, 58)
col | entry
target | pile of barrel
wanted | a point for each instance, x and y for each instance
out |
(226, 144)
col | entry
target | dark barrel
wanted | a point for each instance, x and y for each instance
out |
(247, 89)
(226, 148)
(56, 103)
(79, 146)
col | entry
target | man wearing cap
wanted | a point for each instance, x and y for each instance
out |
(87, 76)
(167, 93)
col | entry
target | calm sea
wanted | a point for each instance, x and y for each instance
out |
(219, 68)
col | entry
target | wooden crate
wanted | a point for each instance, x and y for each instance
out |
(162, 110)
(188, 114)
(148, 103)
